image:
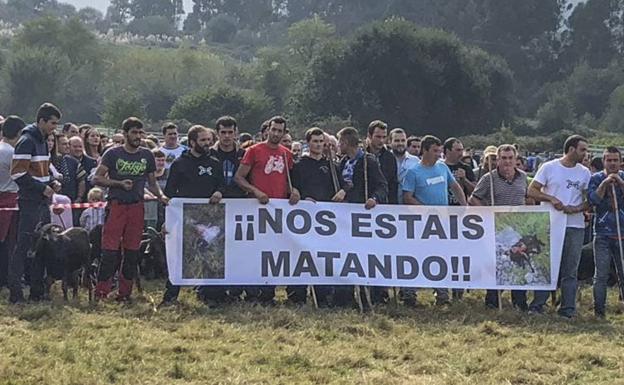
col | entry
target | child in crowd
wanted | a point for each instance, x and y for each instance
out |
(93, 216)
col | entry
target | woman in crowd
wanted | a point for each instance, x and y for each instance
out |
(93, 143)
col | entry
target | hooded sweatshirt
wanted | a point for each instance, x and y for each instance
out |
(194, 177)
(30, 168)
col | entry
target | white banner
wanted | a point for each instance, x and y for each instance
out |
(240, 242)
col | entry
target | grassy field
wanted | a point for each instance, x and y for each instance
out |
(109, 343)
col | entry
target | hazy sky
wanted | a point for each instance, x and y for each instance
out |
(188, 4)
(103, 4)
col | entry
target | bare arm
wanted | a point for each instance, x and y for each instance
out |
(535, 192)
(458, 192)
(241, 180)
(474, 201)
(101, 179)
(154, 188)
(408, 199)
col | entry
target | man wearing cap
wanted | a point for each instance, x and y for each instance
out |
(488, 158)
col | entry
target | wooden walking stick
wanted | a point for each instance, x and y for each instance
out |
(489, 160)
(366, 288)
(290, 189)
(619, 237)
(332, 169)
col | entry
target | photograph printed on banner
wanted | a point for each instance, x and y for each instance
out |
(203, 247)
(522, 248)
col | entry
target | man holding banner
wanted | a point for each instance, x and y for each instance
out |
(267, 165)
(364, 183)
(317, 179)
(563, 184)
(196, 174)
(509, 186)
(428, 183)
(608, 239)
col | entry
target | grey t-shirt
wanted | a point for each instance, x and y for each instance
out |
(133, 166)
(6, 157)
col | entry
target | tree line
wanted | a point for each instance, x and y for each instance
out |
(446, 66)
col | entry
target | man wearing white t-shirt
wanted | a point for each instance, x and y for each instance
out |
(172, 149)
(563, 183)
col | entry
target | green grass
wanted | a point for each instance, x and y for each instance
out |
(109, 343)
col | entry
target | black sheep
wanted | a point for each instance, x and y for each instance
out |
(66, 255)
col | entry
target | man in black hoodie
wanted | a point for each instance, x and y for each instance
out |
(230, 155)
(195, 174)
(316, 181)
(354, 176)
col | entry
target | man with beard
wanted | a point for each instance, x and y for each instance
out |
(377, 133)
(315, 180)
(124, 171)
(267, 165)
(404, 160)
(197, 173)
(562, 183)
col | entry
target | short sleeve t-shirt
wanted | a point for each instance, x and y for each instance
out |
(172, 154)
(469, 175)
(133, 166)
(268, 169)
(429, 184)
(566, 184)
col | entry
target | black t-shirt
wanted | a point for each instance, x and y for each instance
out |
(314, 180)
(469, 175)
(133, 166)
(229, 163)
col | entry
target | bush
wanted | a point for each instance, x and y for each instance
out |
(205, 107)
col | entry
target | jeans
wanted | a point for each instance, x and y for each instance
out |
(605, 250)
(570, 258)
(31, 213)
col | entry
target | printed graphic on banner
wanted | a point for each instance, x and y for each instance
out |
(522, 248)
(204, 241)
(241, 242)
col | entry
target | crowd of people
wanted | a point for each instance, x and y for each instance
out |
(42, 169)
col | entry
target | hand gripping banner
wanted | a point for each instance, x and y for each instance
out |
(240, 242)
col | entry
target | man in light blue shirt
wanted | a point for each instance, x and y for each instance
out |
(428, 183)
(405, 160)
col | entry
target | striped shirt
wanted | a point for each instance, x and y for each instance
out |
(30, 167)
(506, 193)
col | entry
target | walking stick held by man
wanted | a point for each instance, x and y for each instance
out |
(489, 160)
(366, 288)
(618, 271)
(290, 190)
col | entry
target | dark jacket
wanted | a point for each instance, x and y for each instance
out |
(74, 175)
(313, 178)
(192, 177)
(377, 185)
(229, 163)
(388, 165)
(31, 164)
(605, 223)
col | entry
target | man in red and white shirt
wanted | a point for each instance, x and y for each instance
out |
(263, 173)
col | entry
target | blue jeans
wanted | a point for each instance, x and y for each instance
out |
(605, 250)
(570, 258)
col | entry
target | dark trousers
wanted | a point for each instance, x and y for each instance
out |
(518, 299)
(30, 214)
(7, 247)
